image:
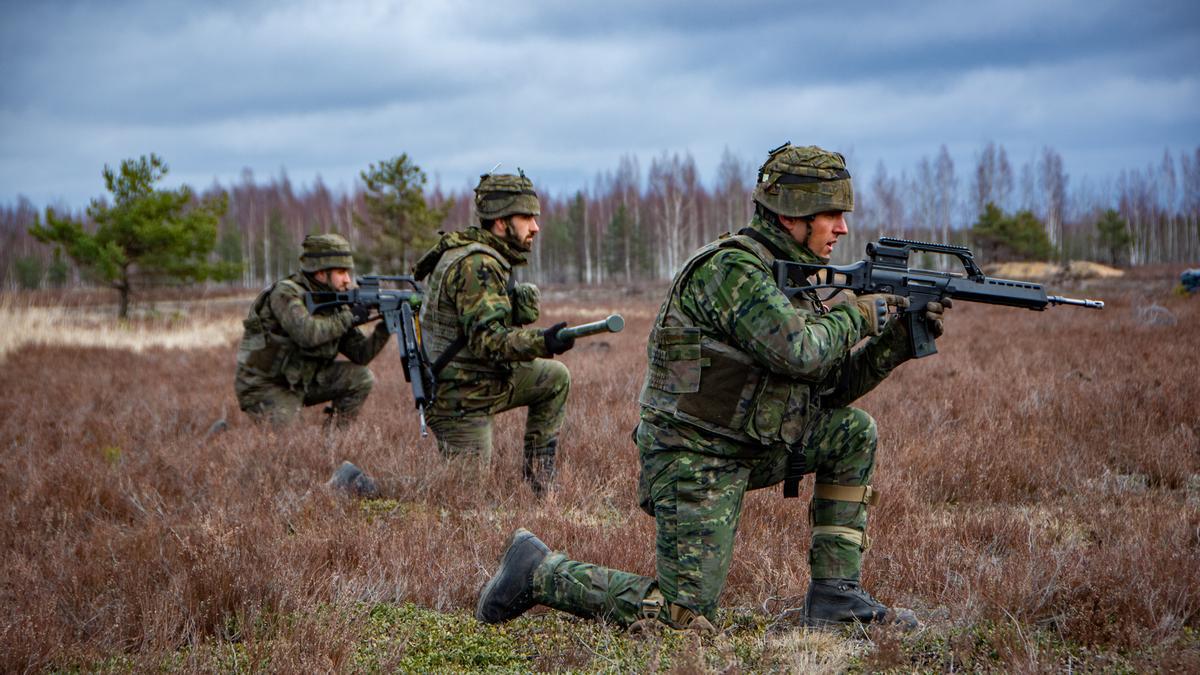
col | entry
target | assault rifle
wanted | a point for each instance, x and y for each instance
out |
(397, 306)
(886, 270)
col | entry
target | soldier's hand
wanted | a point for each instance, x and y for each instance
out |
(361, 313)
(553, 344)
(877, 308)
(935, 315)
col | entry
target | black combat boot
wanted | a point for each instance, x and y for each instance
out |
(510, 592)
(352, 481)
(842, 601)
(539, 469)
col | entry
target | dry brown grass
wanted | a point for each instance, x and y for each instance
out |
(195, 325)
(1035, 478)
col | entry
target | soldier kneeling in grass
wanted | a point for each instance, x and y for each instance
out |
(288, 357)
(745, 388)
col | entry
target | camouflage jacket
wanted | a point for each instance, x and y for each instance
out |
(468, 297)
(734, 364)
(283, 342)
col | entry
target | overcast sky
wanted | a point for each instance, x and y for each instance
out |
(564, 89)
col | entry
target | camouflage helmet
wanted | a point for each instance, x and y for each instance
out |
(798, 182)
(502, 195)
(326, 251)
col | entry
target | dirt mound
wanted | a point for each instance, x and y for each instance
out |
(1035, 271)
(1082, 269)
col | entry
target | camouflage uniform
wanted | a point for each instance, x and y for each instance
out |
(474, 311)
(741, 382)
(286, 359)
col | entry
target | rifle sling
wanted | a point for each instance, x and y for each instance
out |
(445, 357)
(779, 253)
(795, 474)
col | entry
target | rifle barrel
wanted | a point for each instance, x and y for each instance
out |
(1091, 304)
(613, 324)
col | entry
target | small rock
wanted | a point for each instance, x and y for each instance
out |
(1156, 315)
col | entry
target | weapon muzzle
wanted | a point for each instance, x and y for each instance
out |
(1090, 304)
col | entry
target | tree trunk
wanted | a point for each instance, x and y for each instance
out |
(122, 287)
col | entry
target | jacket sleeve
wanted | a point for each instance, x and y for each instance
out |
(478, 286)
(735, 293)
(867, 366)
(287, 304)
(361, 349)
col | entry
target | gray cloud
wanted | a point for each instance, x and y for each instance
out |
(564, 89)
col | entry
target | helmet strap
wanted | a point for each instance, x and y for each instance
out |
(312, 278)
(772, 218)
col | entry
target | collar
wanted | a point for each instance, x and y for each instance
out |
(514, 255)
(309, 283)
(473, 234)
(782, 242)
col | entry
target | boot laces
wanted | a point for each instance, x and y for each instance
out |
(857, 590)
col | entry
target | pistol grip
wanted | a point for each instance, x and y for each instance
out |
(919, 336)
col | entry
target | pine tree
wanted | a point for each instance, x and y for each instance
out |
(1113, 235)
(1002, 237)
(146, 234)
(398, 221)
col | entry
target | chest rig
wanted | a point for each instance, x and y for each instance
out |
(696, 376)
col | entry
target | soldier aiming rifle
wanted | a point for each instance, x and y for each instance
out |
(749, 383)
(287, 356)
(483, 359)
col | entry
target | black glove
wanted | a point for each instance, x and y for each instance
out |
(361, 313)
(553, 344)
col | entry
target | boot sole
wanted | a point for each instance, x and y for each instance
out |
(504, 561)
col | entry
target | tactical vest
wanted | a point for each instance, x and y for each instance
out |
(266, 350)
(706, 383)
(439, 316)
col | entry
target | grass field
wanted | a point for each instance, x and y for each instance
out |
(1040, 479)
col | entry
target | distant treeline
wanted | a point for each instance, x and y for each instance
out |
(633, 223)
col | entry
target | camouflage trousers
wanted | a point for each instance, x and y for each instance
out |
(345, 384)
(462, 417)
(697, 502)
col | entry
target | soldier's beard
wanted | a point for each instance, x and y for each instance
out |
(317, 281)
(511, 236)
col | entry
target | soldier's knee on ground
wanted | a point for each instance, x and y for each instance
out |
(467, 439)
(362, 380)
(277, 415)
(350, 401)
(658, 614)
(370, 377)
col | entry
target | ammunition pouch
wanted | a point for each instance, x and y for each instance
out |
(262, 352)
(274, 355)
(726, 382)
(268, 359)
(525, 299)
